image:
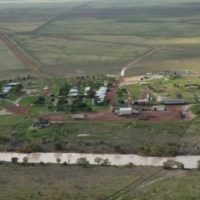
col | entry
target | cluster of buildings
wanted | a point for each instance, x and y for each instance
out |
(6, 89)
(145, 103)
(74, 92)
(101, 94)
(146, 100)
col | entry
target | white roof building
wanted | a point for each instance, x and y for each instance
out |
(101, 94)
(6, 90)
(12, 84)
(73, 92)
(87, 89)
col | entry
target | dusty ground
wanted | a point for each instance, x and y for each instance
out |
(130, 80)
(172, 114)
(54, 117)
(18, 110)
(4, 112)
(137, 79)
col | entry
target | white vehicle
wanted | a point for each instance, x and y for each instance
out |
(125, 111)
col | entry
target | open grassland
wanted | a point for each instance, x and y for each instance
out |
(62, 182)
(10, 66)
(19, 26)
(103, 37)
(17, 134)
(181, 187)
(27, 16)
(185, 57)
(96, 183)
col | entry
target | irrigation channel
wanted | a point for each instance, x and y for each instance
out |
(190, 162)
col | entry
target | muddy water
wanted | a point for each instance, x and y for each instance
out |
(189, 162)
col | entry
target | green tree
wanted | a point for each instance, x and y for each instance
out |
(25, 160)
(83, 162)
(198, 164)
(14, 160)
(172, 164)
(98, 160)
(106, 162)
(40, 100)
(64, 90)
(79, 105)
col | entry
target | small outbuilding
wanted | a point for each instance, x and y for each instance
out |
(78, 117)
(174, 102)
(160, 108)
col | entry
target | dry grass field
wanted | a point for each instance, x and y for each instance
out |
(58, 182)
(82, 37)
(94, 38)
(10, 66)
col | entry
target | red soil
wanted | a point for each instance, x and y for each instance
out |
(18, 110)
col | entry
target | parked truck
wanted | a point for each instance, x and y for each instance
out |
(125, 111)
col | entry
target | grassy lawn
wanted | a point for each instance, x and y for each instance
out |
(28, 100)
(174, 88)
(136, 90)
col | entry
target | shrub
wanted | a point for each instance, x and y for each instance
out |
(98, 160)
(154, 151)
(2, 162)
(65, 163)
(64, 90)
(40, 100)
(59, 146)
(79, 105)
(41, 163)
(25, 160)
(180, 165)
(130, 165)
(105, 162)
(171, 164)
(14, 160)
(198, 164)
(83, 162)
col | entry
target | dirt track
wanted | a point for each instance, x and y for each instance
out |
(26, 60)
(18, 110)
(112, 94)
(59, 16)
(134, 62)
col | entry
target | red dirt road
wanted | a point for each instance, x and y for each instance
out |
(26, 60)
(18, 110)
(112, 94)
(172, 114)
(53, 117)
